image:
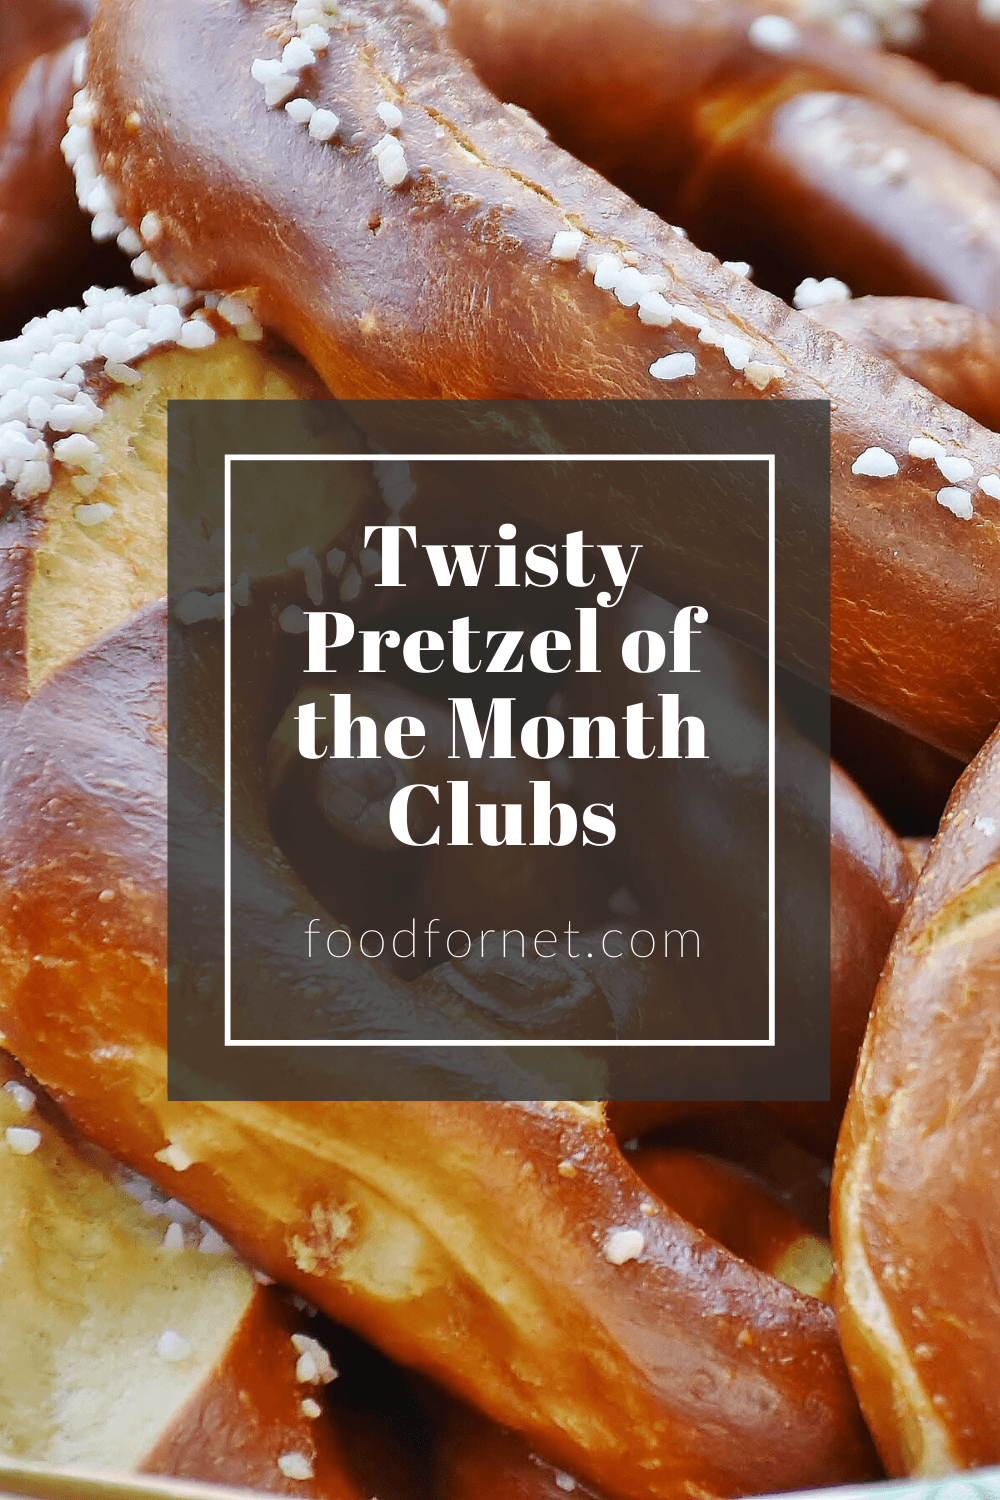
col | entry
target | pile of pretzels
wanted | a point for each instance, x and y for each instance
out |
(493, 200)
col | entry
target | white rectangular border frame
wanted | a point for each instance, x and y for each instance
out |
(232, 458)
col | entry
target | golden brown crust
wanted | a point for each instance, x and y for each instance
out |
(49, 256)
(477, 1460)
(914, 1226)
(736, 1209)
(959, 39)
(249, 1418)
(870, 883)
(952, 350)
(374, 307)
(477, 1242)
(93, 1286)
(799, 151)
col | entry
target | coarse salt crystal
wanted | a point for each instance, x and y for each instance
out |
(924, 447)
(297, 54)
(875, 463)
(22, 1140)
(235, 311)
(174, 1155)
(212, 1243)
(179, 1212)
(293, 620)
(306, 560)
(36, 477)
(655, 311)
(301, 110)
(390, 114)
(813, 293)
(350, 588)
(310, 1408)
(630, 287)
(323, 125)
(673, 367)
(621, 1245)
(122, 374)
(150, 227)
(607, 269)
(737, 351)
(954, 468)
(279, 89)
(265, 69)
(773, 33)
(566, 245)
(313, 1366)
(173, 1239)
(295, 1466)
(565, 1481)
(990, 485)
(959, 502)
(988, 826)
(316, 36)
(856, 27)
(196, 334)
(689, 316)
(391, 161)
(738, 267)
(94, 515)
(21, 1095)
(172, 1346)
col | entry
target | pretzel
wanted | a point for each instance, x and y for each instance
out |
(870, 884)
(869, 878)
(914, 1235)
(735, 1209)
(325, 1144)
(765, 134)
(952, 350)
(477, 1458)
(959, 39)
(310, 1191)
(48, 251)
(130, 1349)
(484, 202)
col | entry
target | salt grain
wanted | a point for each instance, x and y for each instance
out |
(673, 367)
(390, 114)
(924, 448)
(323, 125)
(773, 34)
(196, 334)
(875, 463)
(813, 293)
(959, 502)
(621, 1245)
(954, 468)
(93, 515)
(174, 1155)
(566, 245)
(21, 1095)
(172, 1346)
(295, 1466)
(300, 110)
